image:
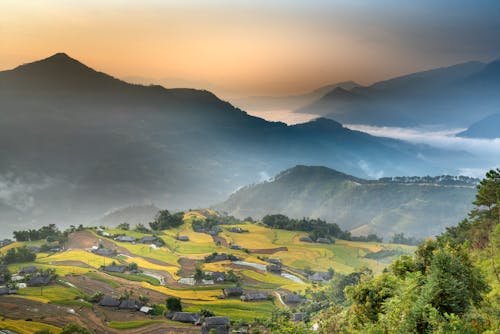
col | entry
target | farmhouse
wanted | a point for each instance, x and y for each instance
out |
(5, 242)
(306, 239)
(293, 299)
(219, 325)
(187, 317)
(28, 270)
(146, 309)
(298, 316)
(34, 249)
(323, 241)
(274, 268)
(237, 230)
(104, 252)
(41, 280)
(237, 247)
(320, 277)
(233, 291)
(125, 238)
(7, 291)
(128, 305)
(114, 268)
(274, 261)
(148, 239)
(183, 238)
(218, 277)
(254, 297)
(108, 301)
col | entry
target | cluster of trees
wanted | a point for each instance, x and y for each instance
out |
(400, 238)
(165, 220)
(18, 255)
(50, 233)
(317, 228)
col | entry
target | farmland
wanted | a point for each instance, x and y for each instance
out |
(164, 271)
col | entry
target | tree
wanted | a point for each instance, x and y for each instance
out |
(199, 275)
(174, 304)
(75, 329)
(165, 220)
(124, 226)
(18, 255)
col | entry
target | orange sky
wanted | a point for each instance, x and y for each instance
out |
(231, 47)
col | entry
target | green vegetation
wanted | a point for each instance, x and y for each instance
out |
(18, 255)
(136, 277)
(165, 220)
(133, 324)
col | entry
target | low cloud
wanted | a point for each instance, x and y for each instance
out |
(18, 193)
(369, 171)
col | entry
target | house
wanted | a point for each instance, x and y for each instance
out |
(218, 277)
(274, 261)
(34, 249)
(233, 291)
(16, 278)
(5, 242)
(105, 234)
(104, 252)
(306, 239)
(320, 277)
(293, 299)
(125, 238)
(237, 247)
(254, 297)
(108, 301)
(146, 309)
(237, 230)
(41, 280)
(298, 316)
(28, 270)
(148, 239)
(6, 291)
(323, 241)
(217, 325)
(114, 268)
(128, 305)
(183, 238)
(187, 317)
(274, 268)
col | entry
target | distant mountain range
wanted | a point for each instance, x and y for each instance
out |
(488, 127)
(417, 208)
(75, 142)
(454, 96)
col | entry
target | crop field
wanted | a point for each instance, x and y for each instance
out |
(26, 327)
(177, 258)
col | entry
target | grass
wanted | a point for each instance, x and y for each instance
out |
(85, 257)
(134, 324)
(52, 293)
(99, 277)
(61, 270)
(142, 263)
(191, 295)
(26, 327)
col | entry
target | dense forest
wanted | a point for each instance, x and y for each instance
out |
(449, 285)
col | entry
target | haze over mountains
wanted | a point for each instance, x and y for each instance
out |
(454, 96)
(76, 143)
(417, 208)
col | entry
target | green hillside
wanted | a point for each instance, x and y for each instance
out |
(384, 207)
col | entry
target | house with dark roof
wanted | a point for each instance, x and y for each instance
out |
(104, 252)
(114, 268)
(237, 230)
(187, 317)
(298, 316)
(108, 301)
(320, 277)
(323, 241)
(148, 239)
(41, 280)
(274, 268)
(129, 305)
(5, 242)
(6, 291)
(274, 261)
(28, 270)
(183, 238)
(233, 291)
(219, 325)
(293, 299)
(306, 239)
(218, 277)
(125, 238)
(34, 249)
(236, 247)
(254, 297)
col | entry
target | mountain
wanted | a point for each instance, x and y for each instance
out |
(291, 102)
(443, 96)
(76, 142)
(419, 208)
(488, 127)
(133, 214)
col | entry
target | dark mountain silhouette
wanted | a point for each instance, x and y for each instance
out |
(441, 96)
(75, 142)
(488, 127)
(363, 206)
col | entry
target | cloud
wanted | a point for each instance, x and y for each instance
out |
(18, 193)
(372, 173)
(264, 176)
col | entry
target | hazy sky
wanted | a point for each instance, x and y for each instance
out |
(252, 47)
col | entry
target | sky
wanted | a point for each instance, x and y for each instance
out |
(244, 48)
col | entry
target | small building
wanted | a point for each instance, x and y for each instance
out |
(254, 297)
(293, 299)
(5, 242)
(274, 261)
(104, 252)
(298, 316)
(16, 278)
(148, 239)
(237, 230)
(34, 249)
(219, 325)
(41, 280)
(146, 309)
(323, 241)
(187, 317)
(129, 305)
(218, 277)
(114, 268)
(274, 268)
(125, 238)
(28, 270)
(108, 301)
(320, 277)
(236, 247)
(6, 291)
(233, 291)
(183, 238)
(306, 239)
